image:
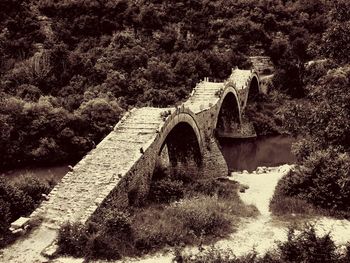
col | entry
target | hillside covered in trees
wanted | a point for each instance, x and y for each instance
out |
(69, 69)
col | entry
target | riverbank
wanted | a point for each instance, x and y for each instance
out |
(262, 233)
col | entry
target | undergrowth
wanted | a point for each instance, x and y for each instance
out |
(179, 211)
(19, 198)
(305, 246)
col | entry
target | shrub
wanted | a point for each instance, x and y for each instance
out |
(204, 215)
(304, 247)
(101, 245)
(72, 239)
(33, 186)
(211, 187)
(118, 223)
(107, 239)
(19, 202)
(303, 148)
(285, 205)
(166, 191)
(323, 180)
(308, 247)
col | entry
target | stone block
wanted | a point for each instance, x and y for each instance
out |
(21, 222)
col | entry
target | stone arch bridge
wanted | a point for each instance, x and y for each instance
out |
(119, 169)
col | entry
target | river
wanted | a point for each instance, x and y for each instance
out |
(248, 154)
(239, 154)
(54, 173)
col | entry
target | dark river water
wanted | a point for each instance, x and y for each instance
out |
(54, 172)
(249, 154)
(239, 154)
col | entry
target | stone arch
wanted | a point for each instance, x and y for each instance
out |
(253, 89)
(180, 140)
(228, 116)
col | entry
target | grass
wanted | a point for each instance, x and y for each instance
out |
(179, 211)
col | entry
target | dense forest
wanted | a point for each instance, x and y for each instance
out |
(69, 69)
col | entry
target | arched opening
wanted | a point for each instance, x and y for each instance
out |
(253, 90)
(182, 146)
(228, 119)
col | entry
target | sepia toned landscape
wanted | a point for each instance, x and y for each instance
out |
(175, 131)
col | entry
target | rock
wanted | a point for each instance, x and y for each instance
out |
(259, 170)
(21, 222)
(46, 197)
(243, 187)
(50, 251)
(262, 170)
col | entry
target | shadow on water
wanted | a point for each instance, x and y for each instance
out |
(248, 154)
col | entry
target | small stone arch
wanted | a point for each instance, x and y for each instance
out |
(181, 141)
(254, 89)
(228, 116)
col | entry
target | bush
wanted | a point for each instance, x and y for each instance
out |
(203, 215)
(304, 247)
(211, 187)
(118, 223)
(323, 180)
(166, 191)
(72, 239)
(107, 239)
(33, 186)
(283, 205)
(308, 247)
(18, 202)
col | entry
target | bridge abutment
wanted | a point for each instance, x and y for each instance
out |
(214, 164)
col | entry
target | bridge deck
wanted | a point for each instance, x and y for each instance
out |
(80, 192)
(204, 96)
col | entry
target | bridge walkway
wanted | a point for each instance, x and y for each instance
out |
(81, 191)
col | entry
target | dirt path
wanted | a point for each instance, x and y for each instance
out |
(261, 233)
(28, 248)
